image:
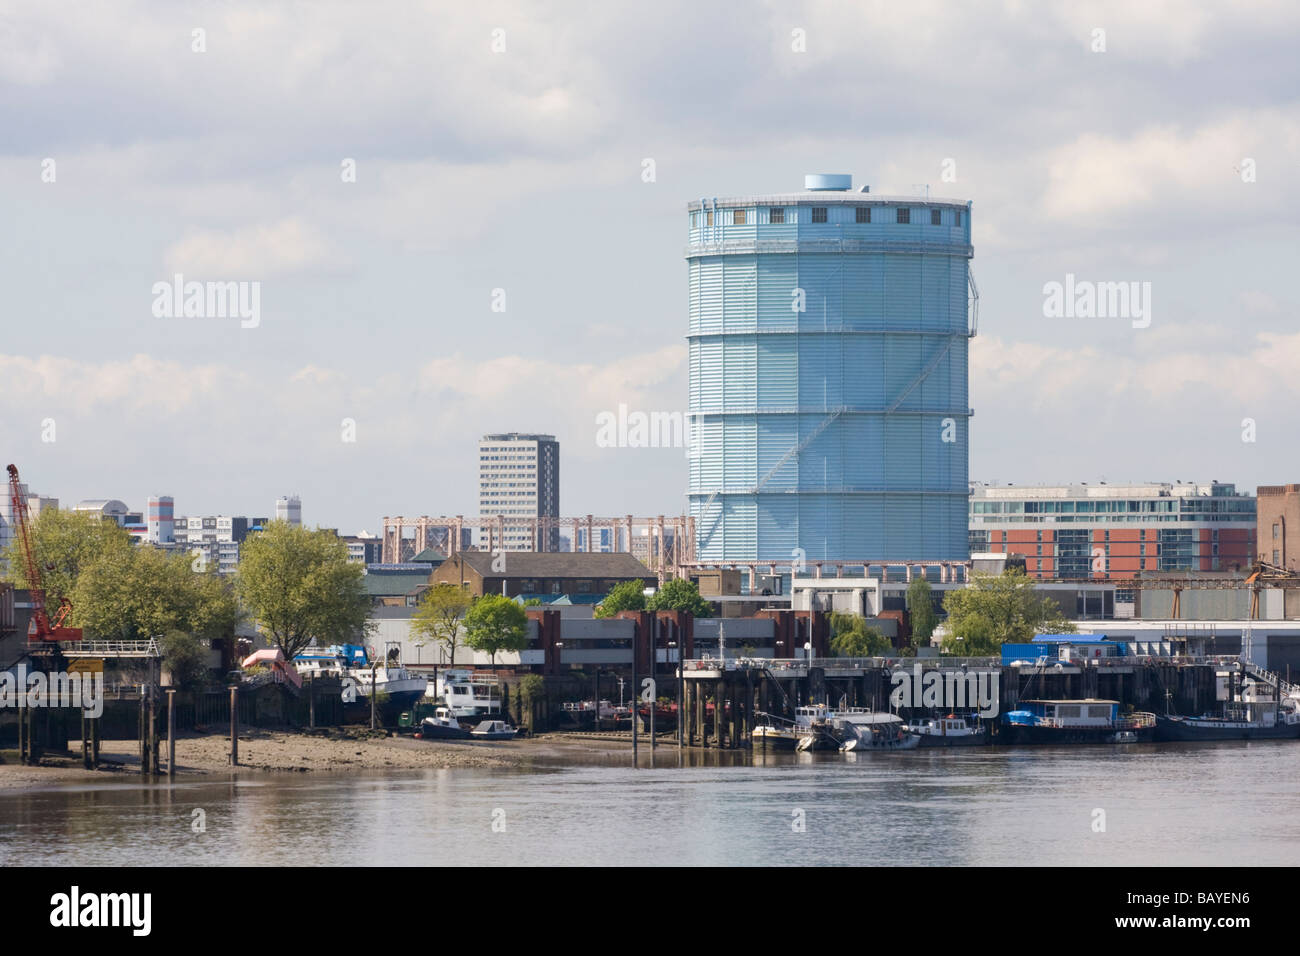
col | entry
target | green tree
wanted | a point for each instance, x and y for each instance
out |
(494, 624)
(628, 596)
(145, 592)
(997, 609)
(64, 544)
(439, 616)
(300, 586)
(850, 636)
(920, 607)
(679, 594)
(186, 659)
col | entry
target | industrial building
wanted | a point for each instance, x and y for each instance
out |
(1115, 531)
(519, 478)
(829, 409)
(1278, 509)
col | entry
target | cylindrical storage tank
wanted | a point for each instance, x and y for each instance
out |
(828, 340)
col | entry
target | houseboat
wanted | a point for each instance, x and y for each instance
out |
(1088, 721)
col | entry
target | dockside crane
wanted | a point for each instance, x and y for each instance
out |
(41, 631)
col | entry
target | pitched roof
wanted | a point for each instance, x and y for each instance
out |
(558, 564)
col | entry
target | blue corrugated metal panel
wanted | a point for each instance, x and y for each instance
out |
(876, 331)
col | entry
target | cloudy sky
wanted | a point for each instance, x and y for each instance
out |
(501, 146)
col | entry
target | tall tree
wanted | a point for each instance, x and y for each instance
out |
(679, 594)
(300, 586)
(627, 596)
(997, 609)
(145, 592)
(494, 624)
(64, 544)
(920, 608)
(439, 616)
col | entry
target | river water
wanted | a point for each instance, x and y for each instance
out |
(1225, 803)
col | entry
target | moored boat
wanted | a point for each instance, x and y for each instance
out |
(1089, 721)
(443, 725)
(493, 730)
(772, 736)
(949, 731)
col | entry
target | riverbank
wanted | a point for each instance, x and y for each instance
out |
(338, 750)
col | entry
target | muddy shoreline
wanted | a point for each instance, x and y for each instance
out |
(323, 751)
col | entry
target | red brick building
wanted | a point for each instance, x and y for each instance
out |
(1116, 531)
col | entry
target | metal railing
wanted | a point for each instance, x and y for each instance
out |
(147, 648)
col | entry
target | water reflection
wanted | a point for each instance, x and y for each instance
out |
(1206, 804)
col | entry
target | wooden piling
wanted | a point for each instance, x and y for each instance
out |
(141, 727)
(234, 726)
(154, 755)
(171, 735)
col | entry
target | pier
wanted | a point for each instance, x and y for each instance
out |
(722, 699)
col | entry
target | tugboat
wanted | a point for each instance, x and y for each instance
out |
(949, 731)
(1088, 721)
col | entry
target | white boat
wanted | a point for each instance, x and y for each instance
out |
(851, 729)
(361, 674)
(442, 726)
(493, 730)
(949, 731)
(861, 729)
(467, 693)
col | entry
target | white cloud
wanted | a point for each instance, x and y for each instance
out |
(287, 246)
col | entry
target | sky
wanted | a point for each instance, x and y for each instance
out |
(454, 230)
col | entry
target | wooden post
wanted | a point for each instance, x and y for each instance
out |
(234, 726)
(94, 744)
(311, 702)
(144, 735)
(85, 741)
(154, 755)
(171, 735)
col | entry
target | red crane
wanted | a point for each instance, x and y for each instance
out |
(40, 630)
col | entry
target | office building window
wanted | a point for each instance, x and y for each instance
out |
(776, 215)
(819, 214)
(862, 214)
(904, 216)
(936, 218)
(738, 217)
(957, 217)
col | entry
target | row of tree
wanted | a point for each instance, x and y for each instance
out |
(300, 587)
